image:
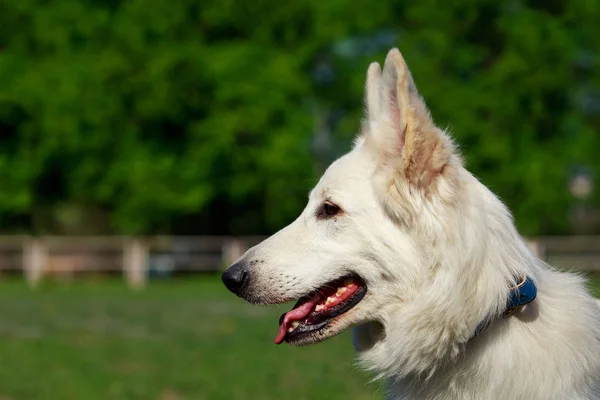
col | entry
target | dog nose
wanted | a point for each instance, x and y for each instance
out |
(236, 277)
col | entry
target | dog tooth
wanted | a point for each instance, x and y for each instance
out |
(319, 307)
(349, 282)
(340, 291)
(294, 326)
(329, 301)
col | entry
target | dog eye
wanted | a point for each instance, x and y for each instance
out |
(329, 210)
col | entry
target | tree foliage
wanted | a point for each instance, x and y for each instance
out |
(148, 116)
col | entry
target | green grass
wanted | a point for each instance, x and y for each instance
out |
(178, 339)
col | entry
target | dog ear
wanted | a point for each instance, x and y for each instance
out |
(400, 128)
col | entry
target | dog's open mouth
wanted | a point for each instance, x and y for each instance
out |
(315, 311)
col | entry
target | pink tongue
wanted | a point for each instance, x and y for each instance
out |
(297, 314)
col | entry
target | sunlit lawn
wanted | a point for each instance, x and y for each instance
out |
(178, 339)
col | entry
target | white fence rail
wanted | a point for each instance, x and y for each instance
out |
(134, 257)
(138, 258)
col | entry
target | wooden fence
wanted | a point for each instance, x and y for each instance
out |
(138, 259)
(133, 257)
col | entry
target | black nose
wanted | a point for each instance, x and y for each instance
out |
(236, 277)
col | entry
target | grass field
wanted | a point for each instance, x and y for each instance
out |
(178, 339)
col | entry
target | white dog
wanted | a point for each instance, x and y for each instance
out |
(400, 241)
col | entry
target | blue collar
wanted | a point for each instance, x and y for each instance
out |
(518, 296)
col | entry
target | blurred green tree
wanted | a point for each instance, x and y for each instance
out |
(147, 116)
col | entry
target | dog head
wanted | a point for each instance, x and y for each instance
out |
(383, 232)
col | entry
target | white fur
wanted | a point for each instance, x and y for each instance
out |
(438, 252)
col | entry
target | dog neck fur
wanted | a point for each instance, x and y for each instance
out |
(477, 253)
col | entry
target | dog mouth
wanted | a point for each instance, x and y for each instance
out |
(315, 312)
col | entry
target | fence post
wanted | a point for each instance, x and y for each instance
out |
(135, 254)
(537, 248)
(232, 250)
(35, 255)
